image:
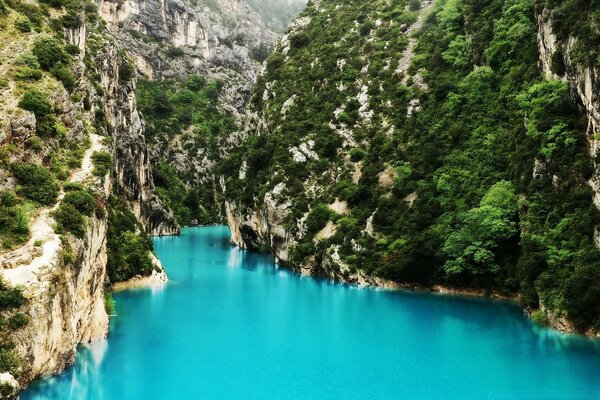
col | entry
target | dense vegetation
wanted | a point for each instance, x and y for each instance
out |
(470, 167)
(128, 245)
(184, 121)
(11, 319)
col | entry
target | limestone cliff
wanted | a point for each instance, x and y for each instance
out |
(364, 163)
(89, 110)
(556, 61)
(222, 40)
(64, 282)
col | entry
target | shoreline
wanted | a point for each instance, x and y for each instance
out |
(137, 282)
(360, 279)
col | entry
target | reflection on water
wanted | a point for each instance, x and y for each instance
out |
(77, 381)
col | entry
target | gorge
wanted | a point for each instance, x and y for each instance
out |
(232, 325)
(436, 145)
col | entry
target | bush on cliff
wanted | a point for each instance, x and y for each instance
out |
(36, 183)
(128, 245)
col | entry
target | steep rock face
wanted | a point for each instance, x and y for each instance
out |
(63, 276)
(225, 40)
(583, 79)
(66, 302)
(345, 175)
(133, 171)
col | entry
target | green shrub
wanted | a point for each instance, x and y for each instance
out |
(28, 60)
(414, 5)
(102, 163)
(299, 40)
(23, 24)
(69, 219)
(65, 75)
(82, 200)
(128, 246)
(10, 298)
(28, 74)
(109, 303)
(36, 102)
(18, 321)
(539, 317)
(72, 49)
(357, 154)
(50, 126)
(36, 144)
(49, 52)
(126, 70)
(8, 199)
(174, 52)
(8, 360)
(317, 218)
(37, 183)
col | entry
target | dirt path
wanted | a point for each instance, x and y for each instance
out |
(23, 265)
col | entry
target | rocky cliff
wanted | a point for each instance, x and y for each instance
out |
(222, 40)
(380, 146)
(71, 136)
(556, 61)
(63, 278)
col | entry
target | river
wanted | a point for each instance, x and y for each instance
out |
(230, 324)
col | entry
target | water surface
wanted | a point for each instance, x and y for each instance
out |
(232, 325)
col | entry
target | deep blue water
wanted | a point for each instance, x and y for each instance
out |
(231, 325)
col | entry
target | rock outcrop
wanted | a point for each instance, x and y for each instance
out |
(62, 276)
(583, 79)
(222, 40)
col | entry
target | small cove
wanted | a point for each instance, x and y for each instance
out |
(232, 325)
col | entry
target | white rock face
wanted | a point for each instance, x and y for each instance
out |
(65, 301)
(584, 80)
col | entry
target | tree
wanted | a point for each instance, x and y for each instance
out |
(472, 248)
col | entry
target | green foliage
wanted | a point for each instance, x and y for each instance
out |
(82, 200)
(126, 70)
(49, 52)
(69, 219)
(317, 218)
(23, 24)
(484, 185)
(36, 183)
(36, 102)
(357, 154)
(128, 246)
(539, 317)
(27, 68)
(14, 221)
(174, 52)
(10, 298)
(170, 108)
(102, 163)
(484, 235)
(8, 360)
(18, 321)
(109, 303)
(65, 75)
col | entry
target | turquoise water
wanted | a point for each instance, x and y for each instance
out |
(231, 325)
